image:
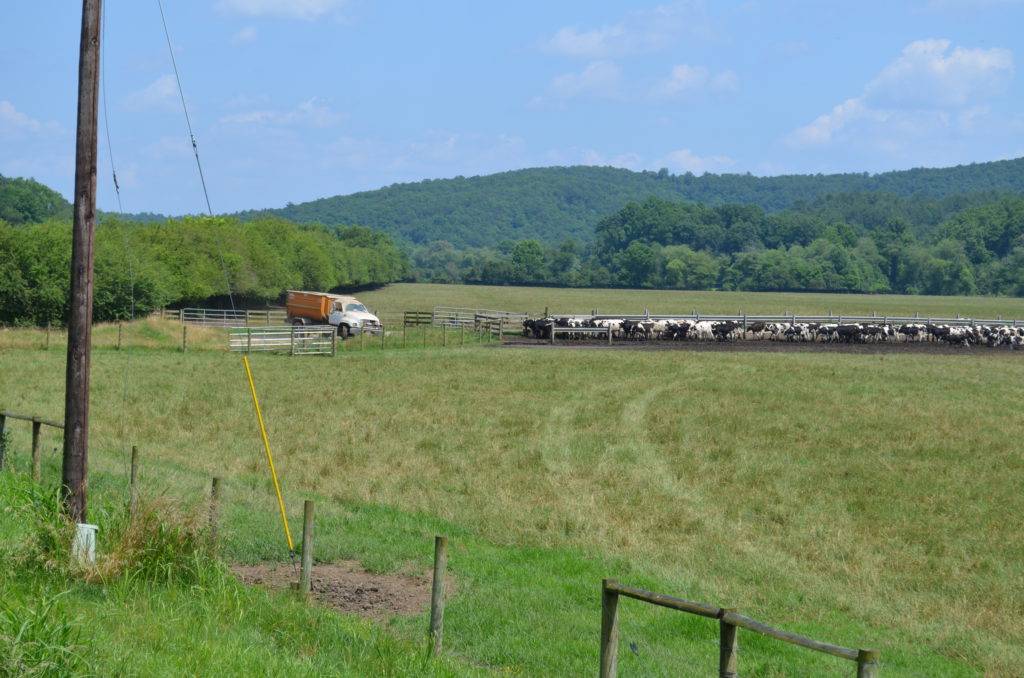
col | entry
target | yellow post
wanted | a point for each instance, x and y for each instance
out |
(266, 444)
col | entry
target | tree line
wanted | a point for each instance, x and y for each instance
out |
(551, 204)
(851, 242)
(140, 267)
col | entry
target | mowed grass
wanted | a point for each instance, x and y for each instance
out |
(405, 297)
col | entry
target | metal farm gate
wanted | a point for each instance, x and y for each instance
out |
(291, 339)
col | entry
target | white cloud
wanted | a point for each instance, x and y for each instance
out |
(15, 124)
(685, 79)
(161, 93)
(309, 113)
(684, 160)
(928, 74)
(638, 32)
(303, 10)
(599, 80)
(243, 37)
(928, 87)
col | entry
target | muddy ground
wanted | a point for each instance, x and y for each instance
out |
(347, 588)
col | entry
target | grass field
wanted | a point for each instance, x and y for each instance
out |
(406, 297)
(868, 501)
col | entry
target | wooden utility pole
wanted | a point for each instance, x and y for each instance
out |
(76, 394)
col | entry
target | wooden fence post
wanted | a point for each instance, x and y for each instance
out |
(3, 438)
(437, 595)
(306, 576)
(867, 663)
(424, 336)
(36, 457)
(184, 338)
(362, 340)
(462, 334)
(444, 336)
(334, 344)
(120, 334)
(291, 342)
(47, 336)
(133, 483)
(215, 516)
(609, 630)
(729, 648)
(383, 334)
(405, 335)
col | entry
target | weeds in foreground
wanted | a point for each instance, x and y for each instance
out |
(39, 640)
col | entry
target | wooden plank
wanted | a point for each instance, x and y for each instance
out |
(710, 611)
(778, 634)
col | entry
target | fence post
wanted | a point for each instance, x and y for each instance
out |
(215, 516)
(47, 336)
(362, 340)
(444, 336)
(867, 663)
(437, 595)
(383, 335)
(36, 460)
(120, 334)
(462, 334)
(133, 483)
(501, 331)
(184, 338)
(291, 343)
(3, 438)
(334, 343)
(609, 629)
(306, 576)
(728, 654)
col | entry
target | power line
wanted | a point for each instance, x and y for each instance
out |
(195, 150)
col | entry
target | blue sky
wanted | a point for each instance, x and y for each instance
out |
(293, 100)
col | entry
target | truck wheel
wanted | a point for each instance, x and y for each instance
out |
(343, 331)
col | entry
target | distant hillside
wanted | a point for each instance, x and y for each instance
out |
(554, 203)
(26, 201)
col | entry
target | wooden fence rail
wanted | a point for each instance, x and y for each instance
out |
(729, 622)
(37, 424)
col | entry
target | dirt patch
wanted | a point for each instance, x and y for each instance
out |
(347, 588)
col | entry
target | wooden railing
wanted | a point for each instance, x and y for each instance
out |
(729, 623)
(37, 424)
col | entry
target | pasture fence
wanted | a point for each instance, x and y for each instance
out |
(217, 317)
(37, 424)
(729, 625)
(745, 319)
(293, 339)
(477, 318)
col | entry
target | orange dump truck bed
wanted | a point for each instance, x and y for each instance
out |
(315, 306)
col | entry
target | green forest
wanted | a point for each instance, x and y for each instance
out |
(189, 261)
(954, 231)
(860, 242)
(552, 204)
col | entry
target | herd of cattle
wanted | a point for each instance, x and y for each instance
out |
(625, 329)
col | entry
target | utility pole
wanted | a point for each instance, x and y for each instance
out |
(76, 392)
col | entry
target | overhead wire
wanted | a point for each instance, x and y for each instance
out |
(195, 150)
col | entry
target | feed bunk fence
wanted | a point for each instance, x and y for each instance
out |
(729, 624)
(477, 318)
(215, 317)
(37, 424)
(291, 339)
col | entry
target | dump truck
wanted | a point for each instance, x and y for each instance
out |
(346, 313)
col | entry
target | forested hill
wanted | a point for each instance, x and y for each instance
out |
(554, 203)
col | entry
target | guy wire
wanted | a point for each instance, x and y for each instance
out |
(195, 149)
